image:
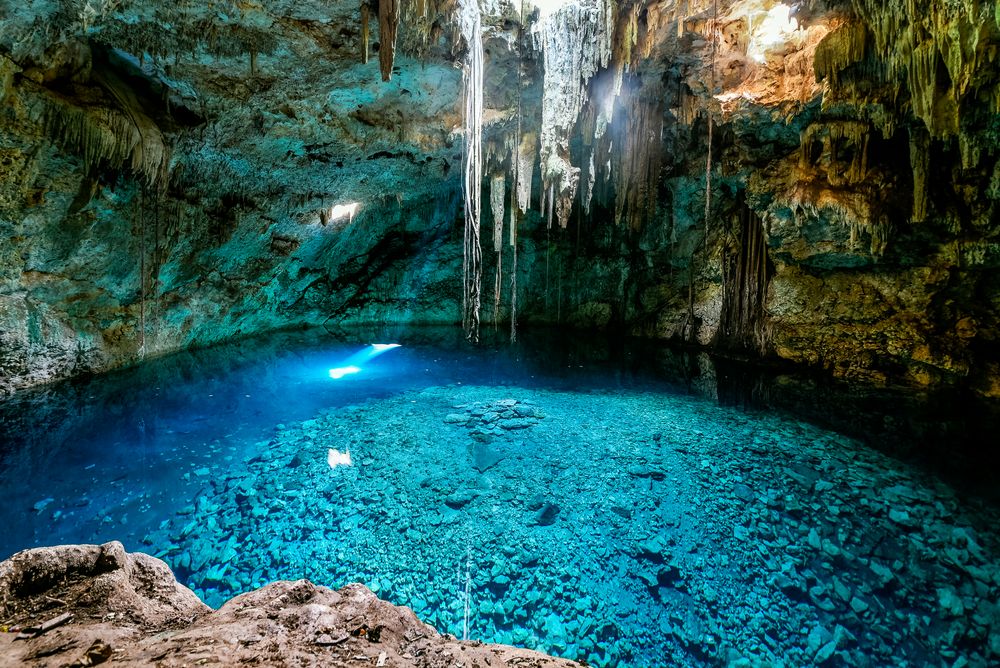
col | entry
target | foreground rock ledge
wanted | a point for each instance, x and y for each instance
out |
(127, 609)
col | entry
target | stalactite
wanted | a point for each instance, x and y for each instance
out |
(423, 29)
(589, 180)
(388, 23)
(497, 197)
(637, 161)
(117, 138)
(689, 326)
(549, 204)
(497, 289)
(923, 71)
(711, 91)
(527, 150)
(970, 150)
(648, 27)
(742, 320)
(920, 160)
(600, 110)
(512, 207)
(575, 41)
(625, 38)
(881, 232)
(835, 135)
(857, 135)
(499, 152)
(914, 37)
(522, 164)
(688, 110)
(470, 23)
(365, 12)
(841, 48)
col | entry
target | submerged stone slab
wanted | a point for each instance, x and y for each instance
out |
(129, 609)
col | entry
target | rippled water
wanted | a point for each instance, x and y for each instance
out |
(595, 501)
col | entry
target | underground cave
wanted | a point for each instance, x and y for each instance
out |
(612, 333)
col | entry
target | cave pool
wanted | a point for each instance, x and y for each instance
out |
(611, 503)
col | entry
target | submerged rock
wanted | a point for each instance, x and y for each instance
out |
(547, 515)
(460, 498)
(727, 552)
(485, 458)
(42, 505)
(517, 423)
(129, 606)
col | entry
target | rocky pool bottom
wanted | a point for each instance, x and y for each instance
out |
(613, 519)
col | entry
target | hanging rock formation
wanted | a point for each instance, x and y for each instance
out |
(575, 41)
(388, 24)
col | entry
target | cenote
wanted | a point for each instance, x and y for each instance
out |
(495, 333)
(604, 500)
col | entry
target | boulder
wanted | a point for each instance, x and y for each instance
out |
(129, 609)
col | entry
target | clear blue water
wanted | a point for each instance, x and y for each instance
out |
(594, 501)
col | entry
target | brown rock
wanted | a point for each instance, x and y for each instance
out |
(128, 609)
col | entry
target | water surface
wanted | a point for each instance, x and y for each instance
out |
(612, 502)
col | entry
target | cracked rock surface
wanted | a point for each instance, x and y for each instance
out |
(128, 609)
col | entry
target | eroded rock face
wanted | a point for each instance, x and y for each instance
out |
(212, 217)
(128, 608)
(176, 176)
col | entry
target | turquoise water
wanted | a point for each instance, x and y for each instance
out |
(597, 501)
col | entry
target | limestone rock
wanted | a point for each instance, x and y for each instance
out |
(129, 607)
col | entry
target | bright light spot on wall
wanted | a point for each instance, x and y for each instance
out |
(348, 211)
(341, 371)
(382, 347)
(769, 30)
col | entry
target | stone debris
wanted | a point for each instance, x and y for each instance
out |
(486, 421)
(619, 528)
(638, 520)
(47, 625)
(96, 654)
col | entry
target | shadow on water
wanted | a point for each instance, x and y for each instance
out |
(949, 433)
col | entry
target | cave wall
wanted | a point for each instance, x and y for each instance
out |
(167, 177)
(107, 261)
(880, 218)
